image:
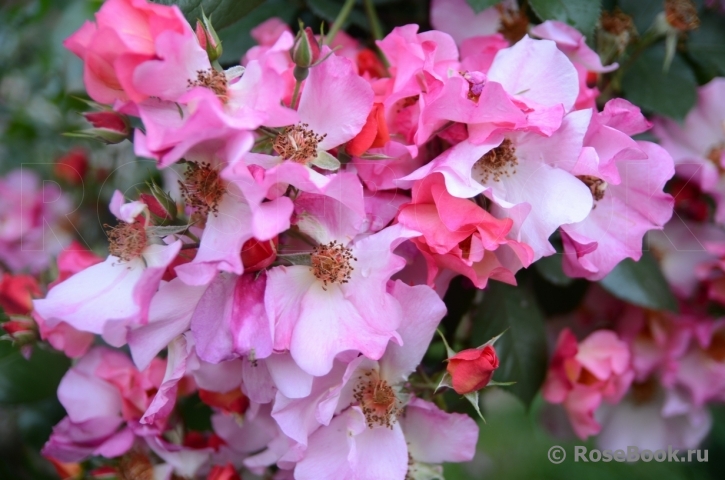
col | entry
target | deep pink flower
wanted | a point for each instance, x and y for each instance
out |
(583, 374)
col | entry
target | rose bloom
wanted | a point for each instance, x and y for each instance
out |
(472, 369)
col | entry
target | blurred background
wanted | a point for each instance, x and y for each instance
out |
(42, 93)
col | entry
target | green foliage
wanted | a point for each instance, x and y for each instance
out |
(522, 350)
(706, 45)
(671, 94)
(551, 269)
(221, 12)
(23, 381)
(481, 5)
(582, 14)
(640, 283)
(328, 10)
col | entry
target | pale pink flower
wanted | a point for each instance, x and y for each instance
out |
(698, 145)
(107, 297)
(460, 21)
(626, 180)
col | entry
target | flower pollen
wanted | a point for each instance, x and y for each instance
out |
(297, 143)
(331, 263)
(126, 240)
(476, 82)
(377, 399)
(202, 188)
(213, 80)
(596, 185)
(682, 14)
(497, 162)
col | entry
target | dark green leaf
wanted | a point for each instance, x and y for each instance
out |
(582, 14)
(481, 5)
(707, 43)
(236, 39)
(24, 380)
(640, 283)
(328, 10)
(195, 413)
(522, 349)
(671, 94)
(551, 269)
(221, 12)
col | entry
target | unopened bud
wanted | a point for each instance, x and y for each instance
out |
(258, 255)
(306, 50)
(20, 330)
(208, 38)
(160, 203)
(108, 126)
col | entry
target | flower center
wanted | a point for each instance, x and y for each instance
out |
(213, 80)
(331, 263)
(127, 240)
(716, 349)
(202, 188)
(496, 163)
(643, 392)
(476, 82)
(297, 143)
(596, 185)
(715, 153)
(377, 399)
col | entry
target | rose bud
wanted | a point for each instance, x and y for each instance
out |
(67, 471)
(208, 38)
(258, 255)
(21, 330)
(108, 126)
(226, 472)
(306, 50)
(472, 369)
(72, 167)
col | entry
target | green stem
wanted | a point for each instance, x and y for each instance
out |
(339, 21)
(295, 95)
(375, 26)
(377, 30)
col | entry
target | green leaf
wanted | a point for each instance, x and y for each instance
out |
(551, 269)
(23, 381)
(221, 12)
(481, 5)
(671, 94)
(582, 14)
(236, 38)
(522, 351)
(706, 44)
(640, 283)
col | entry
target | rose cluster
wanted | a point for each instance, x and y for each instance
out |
(327, 194)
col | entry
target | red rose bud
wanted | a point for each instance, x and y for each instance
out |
(258, 255)
(472, 369)
(17, 292)
(226, 472)
(208, 38)
(72, 167)
(108, 126)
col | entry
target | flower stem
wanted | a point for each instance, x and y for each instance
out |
(339, 21)
(295, 95)
(377, 30)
